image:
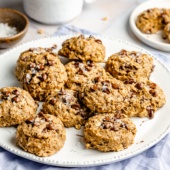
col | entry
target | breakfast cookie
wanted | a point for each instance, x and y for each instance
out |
(166, 32)
(104, 94)
(125, 65)
(29, 56)
(44, 135)
(64, 104)
(153, 20)
(145, 98)
(81, 48)
(109, 132)
(82, 72)
(42, 74)
(16, 106)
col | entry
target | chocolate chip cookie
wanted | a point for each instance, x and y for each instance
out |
(145, 98)
(166, 32)
(82, 48)
(16, 106)
(44, 135)
(109, 132)
(81, 72)
(104, 94)
(126, 65)
(42, 72)
(64, 104)
(153, 20)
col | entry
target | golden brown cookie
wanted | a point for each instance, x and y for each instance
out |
(16, 106)
(109, 132)
(82, 48)
(126, 65)
(64, 104)
(44, 135)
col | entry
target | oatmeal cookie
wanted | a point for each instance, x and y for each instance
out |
(81, 48)
(153, 20)
(82, 72)
(29, 56)
(43, 73)
(104, 94)
(44, 135)
(109, 132)
(66, 106)
(145, 98)
(166, 32)
(125, 65)
(16, 106)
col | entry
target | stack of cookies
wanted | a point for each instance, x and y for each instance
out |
(153, 20)
(80, 93)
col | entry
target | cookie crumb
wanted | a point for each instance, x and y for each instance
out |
(104, 18)
(40, 31)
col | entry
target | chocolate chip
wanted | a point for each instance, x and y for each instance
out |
(115, 86)
(114, 128)
(139, 86)
(107, 125)
(90, 63)
(98, 41)
(15, 92)
(80, 71)
(153, 93)
(76, 64)
(83, 114)
(51, 62)
(93, 88)
(50, 127)
(106, 90)
(30, 120)
(129, 81)
(40, 67)
(152, 85)
(123, 52)
(43, 77)
(61, 92)
(75, 106)
(150, 112)
(52, 101)
(15, 99)
(96, 79)
(87, 69)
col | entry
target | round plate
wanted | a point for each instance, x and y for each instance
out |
(74, 153)
(153, 40)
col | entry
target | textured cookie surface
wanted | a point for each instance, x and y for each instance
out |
(153, 20)
(81, 48)
(104, 94)
(145, 98)
(43, 72)
(109, 132)
(65, 105)
(16, 106)
(82, 72)
(166, 32)
(43, 135)
(129, 64)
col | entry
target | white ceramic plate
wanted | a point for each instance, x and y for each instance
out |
(74, 154)
(153, 40)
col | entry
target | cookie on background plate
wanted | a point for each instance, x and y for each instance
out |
(82, 48)
(16, 106)
(126, 65)
(44, 135)
(109, 132)
(64, 104)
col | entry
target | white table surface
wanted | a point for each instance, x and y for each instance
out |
(116, 11)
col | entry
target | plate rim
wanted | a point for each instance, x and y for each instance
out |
(150, 42)
(96, 162)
